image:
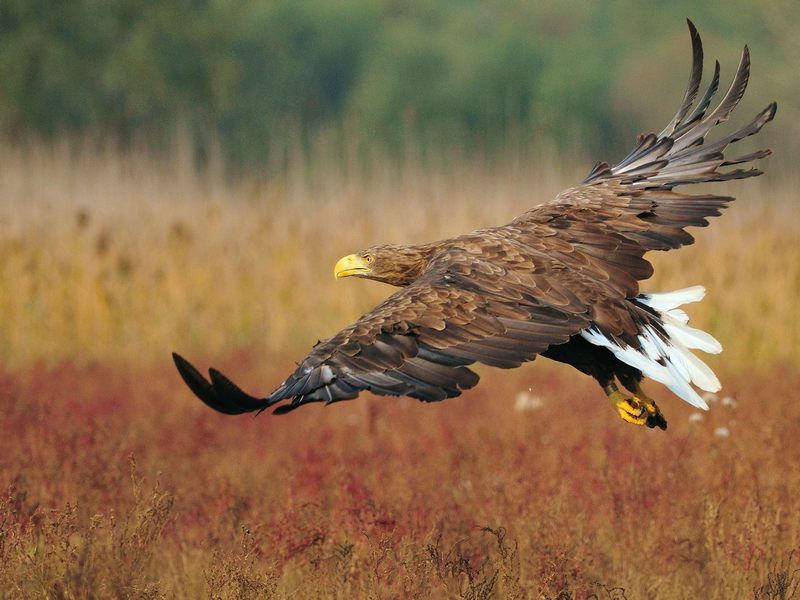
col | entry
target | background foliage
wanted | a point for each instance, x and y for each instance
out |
(255, 76)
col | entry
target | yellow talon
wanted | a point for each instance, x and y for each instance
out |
(628, 407)
(638, 409)
(655, 418)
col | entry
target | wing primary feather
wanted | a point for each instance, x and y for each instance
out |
(723, 109)
(695, 76)
(232, 393)
(701, 107)
(715, 149)
(441, 357)
(202, 388)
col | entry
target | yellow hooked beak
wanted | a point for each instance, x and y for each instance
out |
(350, 265)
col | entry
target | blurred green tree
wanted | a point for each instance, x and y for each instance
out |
(261, 75)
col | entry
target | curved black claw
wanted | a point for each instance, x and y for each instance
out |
(656, 420)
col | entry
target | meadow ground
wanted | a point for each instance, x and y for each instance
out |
(117, 482)
(122, 485)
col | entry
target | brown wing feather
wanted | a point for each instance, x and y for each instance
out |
(420, 340)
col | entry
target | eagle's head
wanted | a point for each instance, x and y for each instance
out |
(392, 264)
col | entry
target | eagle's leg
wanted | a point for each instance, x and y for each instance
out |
(606, 369)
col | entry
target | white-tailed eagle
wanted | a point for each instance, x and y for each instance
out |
(560, 280)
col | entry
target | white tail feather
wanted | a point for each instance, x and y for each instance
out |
(695, 339)
(669, 361)
(663, 301)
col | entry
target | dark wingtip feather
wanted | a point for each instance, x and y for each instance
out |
(693, 85)
(233, 394)
(285, 409)
(192, 377)
(773, 108)
(201, 387)
(737, 88)
(699, 110)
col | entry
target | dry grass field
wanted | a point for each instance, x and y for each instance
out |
(108, 257)
(116, 482)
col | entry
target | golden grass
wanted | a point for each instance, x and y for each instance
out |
(113, 256)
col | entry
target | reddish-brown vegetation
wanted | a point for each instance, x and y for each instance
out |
(124, 485)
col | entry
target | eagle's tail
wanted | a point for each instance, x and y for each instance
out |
(665, 351)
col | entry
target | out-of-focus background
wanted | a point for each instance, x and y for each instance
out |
(182, 175)
(251, 81)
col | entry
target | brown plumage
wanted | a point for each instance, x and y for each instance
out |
(561, 280)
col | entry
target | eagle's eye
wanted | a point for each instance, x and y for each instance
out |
(368, 259)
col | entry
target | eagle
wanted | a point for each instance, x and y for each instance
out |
(561, 281)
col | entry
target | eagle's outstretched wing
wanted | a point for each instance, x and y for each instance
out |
(618, 213)
(501, 296)
(419, 341)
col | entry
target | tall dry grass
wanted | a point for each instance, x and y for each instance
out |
(117, 256)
